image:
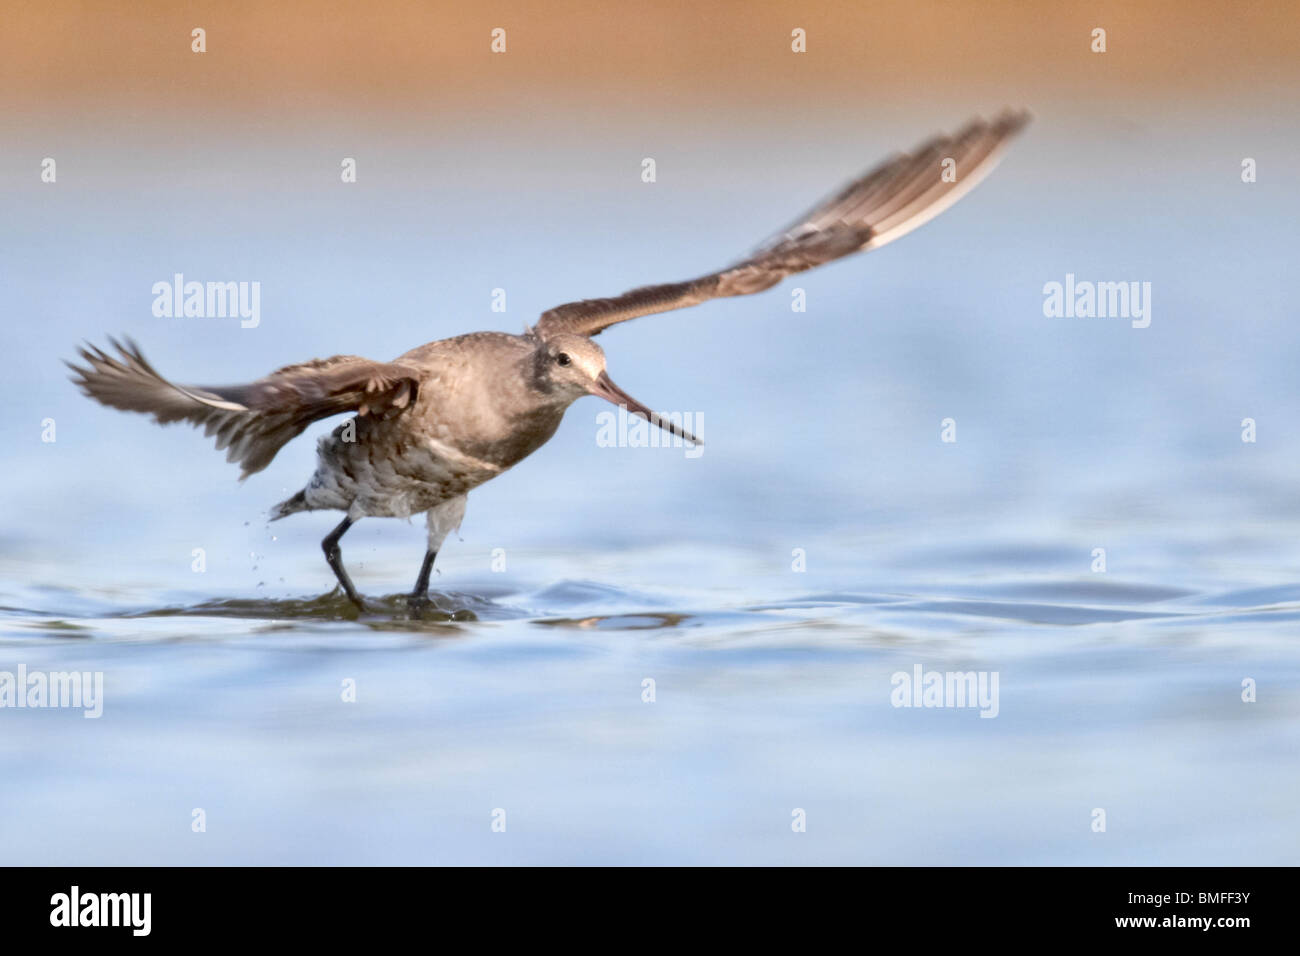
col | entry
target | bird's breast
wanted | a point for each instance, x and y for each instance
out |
(498, 439)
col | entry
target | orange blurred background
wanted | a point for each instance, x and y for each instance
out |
(65, 60)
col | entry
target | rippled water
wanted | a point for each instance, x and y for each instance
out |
(522, 689)
(771, 694)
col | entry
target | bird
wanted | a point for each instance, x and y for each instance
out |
(435, 423)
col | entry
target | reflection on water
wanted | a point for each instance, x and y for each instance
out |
(334, 606)
(1063, 603)
(1118, 694)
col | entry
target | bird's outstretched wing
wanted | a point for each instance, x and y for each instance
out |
(891, 200)
(252, 421)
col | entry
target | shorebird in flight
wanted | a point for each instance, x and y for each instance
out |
(439, 421)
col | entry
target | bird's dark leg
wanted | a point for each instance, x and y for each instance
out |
(421, 592)
(335, 559)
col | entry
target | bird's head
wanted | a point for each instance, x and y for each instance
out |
(571, 366)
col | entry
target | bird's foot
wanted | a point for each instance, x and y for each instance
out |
(353, 599)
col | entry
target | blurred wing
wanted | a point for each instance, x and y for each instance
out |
(896, 197)
(252, 421)
(324, 387)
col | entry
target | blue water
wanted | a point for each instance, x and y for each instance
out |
(522, 689)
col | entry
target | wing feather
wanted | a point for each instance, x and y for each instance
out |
(901, 194)
(251, 421)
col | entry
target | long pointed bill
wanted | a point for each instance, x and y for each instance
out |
(606, 389)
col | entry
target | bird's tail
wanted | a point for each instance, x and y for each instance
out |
(290, 506)
(127, 381)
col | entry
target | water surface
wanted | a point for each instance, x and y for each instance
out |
(521, 688)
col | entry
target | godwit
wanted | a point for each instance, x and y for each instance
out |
(445, 417)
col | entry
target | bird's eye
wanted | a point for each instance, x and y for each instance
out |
(563, 359)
